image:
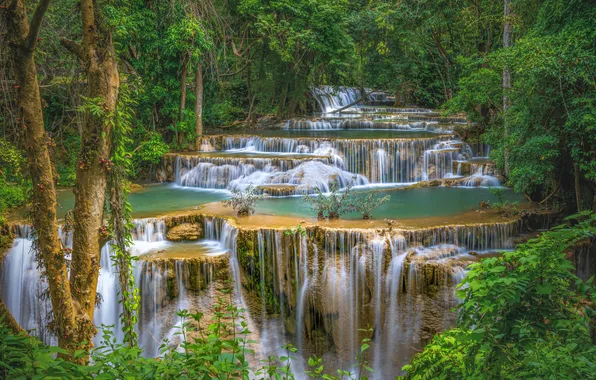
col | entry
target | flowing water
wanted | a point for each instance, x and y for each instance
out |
(322, 289)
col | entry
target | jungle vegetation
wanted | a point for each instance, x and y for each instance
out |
(95, 92)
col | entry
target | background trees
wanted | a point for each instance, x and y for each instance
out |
(194, 65)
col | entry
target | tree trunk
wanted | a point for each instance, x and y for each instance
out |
(183, 76)
(507, 27)
(446, 62)
(23, 36)
(199, 106)
(578, 188)
(102, 85)
(281, 108)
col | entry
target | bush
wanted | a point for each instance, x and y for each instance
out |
(524, 315)
(335, 204)
(506, 208)
(244, 202)
(209, 349)
(367, 205)
(149, 152)
(331, 206)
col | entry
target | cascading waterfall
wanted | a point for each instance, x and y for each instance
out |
(23, 289)
(218, 172)
(479, 179)
(333, 98)
(406, 160)
(335, 282)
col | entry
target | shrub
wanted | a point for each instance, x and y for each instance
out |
(506, 208)
(217, 348)
(331, 206)
(524, 314)
(244, 202)
(367, 205)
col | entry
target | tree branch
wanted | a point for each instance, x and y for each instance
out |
(73, 47)
(35, 23)
(9, 320)
(355, 102)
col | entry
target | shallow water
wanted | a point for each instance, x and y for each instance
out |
(159, 199)
(155, 199)
(405, 203)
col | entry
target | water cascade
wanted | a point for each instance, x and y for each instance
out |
(328, 284)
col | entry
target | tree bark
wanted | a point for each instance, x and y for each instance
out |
(9, 320)
(23, 36)
(199, 106)
(102, 85)
(577, 185)
(183, 76)
(446, 62)
(507, 28)
(281, 108)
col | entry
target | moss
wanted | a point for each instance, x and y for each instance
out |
(6, 238)
(172, 290)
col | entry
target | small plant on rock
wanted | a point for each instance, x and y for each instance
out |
(506, 208)
(367, 205)
(331, 206)
(244, 202)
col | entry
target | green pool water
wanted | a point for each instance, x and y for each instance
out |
(155, 199)
(346, 133)
(158, 199)
(405, 203)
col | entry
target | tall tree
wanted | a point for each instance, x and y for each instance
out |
(507, 29)
(73, 299)
(198, 105)
(98, 55)
(23, 34)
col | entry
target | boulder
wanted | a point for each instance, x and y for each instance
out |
(185, 231)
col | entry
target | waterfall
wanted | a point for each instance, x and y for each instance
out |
(479, 179)
(303, 274)
(23, 289)
(393, 282)
(333, 98)
(306, 177)
(313, 160)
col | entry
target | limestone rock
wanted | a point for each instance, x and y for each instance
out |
(185, 231)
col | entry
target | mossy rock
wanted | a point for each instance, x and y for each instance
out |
(185, 231)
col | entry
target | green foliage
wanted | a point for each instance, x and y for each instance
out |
(333, 205)
(506, 208)
(524, 315)
(244, 201)
(11, 195)
(13, 186)
(548, 130)
(367, 205)
(149, 152)
(217, 348)
(296, 230)
(12, 163)
(121, 215)
(336, 203)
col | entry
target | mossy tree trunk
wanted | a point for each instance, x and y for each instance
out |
(507, 31)
(183, 76)
(73, 300)
(23, 34)
(97, 53)
(199, 106)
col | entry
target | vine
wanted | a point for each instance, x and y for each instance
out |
(120, 214)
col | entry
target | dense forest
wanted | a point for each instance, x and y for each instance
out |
(463, 132)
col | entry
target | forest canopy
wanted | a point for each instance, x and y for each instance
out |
(100, 98)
